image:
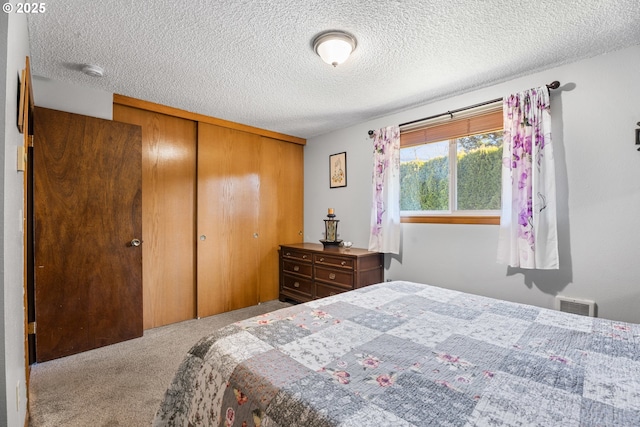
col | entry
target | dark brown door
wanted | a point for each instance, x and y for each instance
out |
(87, 209)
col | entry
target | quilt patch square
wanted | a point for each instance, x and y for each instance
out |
(208, 393)
(464, 364)
(597, 414)
(236, 348)
(428, 329)
(565, 320)
(476, 302)
(314, 320)
(515, 401)
(438, 294)
(278, 333)
(202, 347)
(477, 352)
(429, 401)
(175, 407)
(331, 403)
(319, 349)
(517, 311)
(557, 343)
(627, 332)
(343, 310)
(374, 298)
(263, 375)
(616, 346)
(616, 339)
(407, 307)
(552, 371)
(401, 286)
(371, 415)
(380, 321)
(614, 381)
(271, 317)
(370, 368)
(452, 310)
(494, 329)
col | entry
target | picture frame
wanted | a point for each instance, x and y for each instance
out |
(338, 170)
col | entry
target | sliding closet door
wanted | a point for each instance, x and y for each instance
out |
(281, 208)
(227, 219)
(168, 214)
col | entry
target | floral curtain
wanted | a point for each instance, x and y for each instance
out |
(385, 211)
(528, 233)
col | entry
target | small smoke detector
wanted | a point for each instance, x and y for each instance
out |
(93, 70)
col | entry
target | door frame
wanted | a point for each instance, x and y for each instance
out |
(26, 107)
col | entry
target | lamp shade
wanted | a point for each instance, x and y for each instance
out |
(334, 47)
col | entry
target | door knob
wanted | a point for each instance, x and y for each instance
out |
(135, 242)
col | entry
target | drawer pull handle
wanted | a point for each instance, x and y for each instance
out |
(343, 263)
(304, 257)
(296, 268)
(288, 254)
(332, 276)
(321, 259)
(296, 285)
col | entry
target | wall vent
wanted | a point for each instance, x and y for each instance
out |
(576, 306)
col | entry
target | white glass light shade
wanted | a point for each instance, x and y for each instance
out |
(334, 47)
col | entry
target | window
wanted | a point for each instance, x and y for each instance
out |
(451, 172)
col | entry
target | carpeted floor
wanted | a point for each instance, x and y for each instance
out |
(122, 384)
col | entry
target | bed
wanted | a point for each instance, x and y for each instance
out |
(408, 354)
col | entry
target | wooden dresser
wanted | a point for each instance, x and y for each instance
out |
(309, 270)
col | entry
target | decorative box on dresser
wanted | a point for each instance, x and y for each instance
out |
(310, 270)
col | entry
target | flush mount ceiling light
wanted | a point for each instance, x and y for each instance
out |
(334, 47)
(93, 70)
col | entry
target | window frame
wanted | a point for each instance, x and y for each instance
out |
(485, 119)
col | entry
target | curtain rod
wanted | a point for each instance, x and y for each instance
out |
(553, 85)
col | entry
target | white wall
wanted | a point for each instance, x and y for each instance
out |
(49, 94)
(72, 98)
(13, 389)
(598, 186)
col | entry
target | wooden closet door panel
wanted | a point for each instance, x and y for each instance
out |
(87, 211)
(168, 207)
(281, 208)
(228, 194)
(291, 193)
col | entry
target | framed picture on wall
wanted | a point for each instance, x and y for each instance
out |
(338, 170)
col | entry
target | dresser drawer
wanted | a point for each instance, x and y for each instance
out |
(327, 291)
(321, 259)
(299, 255)
(297, 267)
(335, 277)
(296, 284)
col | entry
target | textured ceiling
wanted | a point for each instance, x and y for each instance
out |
(252, 61)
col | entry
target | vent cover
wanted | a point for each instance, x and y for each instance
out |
(576, 306)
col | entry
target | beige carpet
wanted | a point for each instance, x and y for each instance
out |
(122, 384)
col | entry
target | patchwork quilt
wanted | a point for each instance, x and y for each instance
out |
(408, 354)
